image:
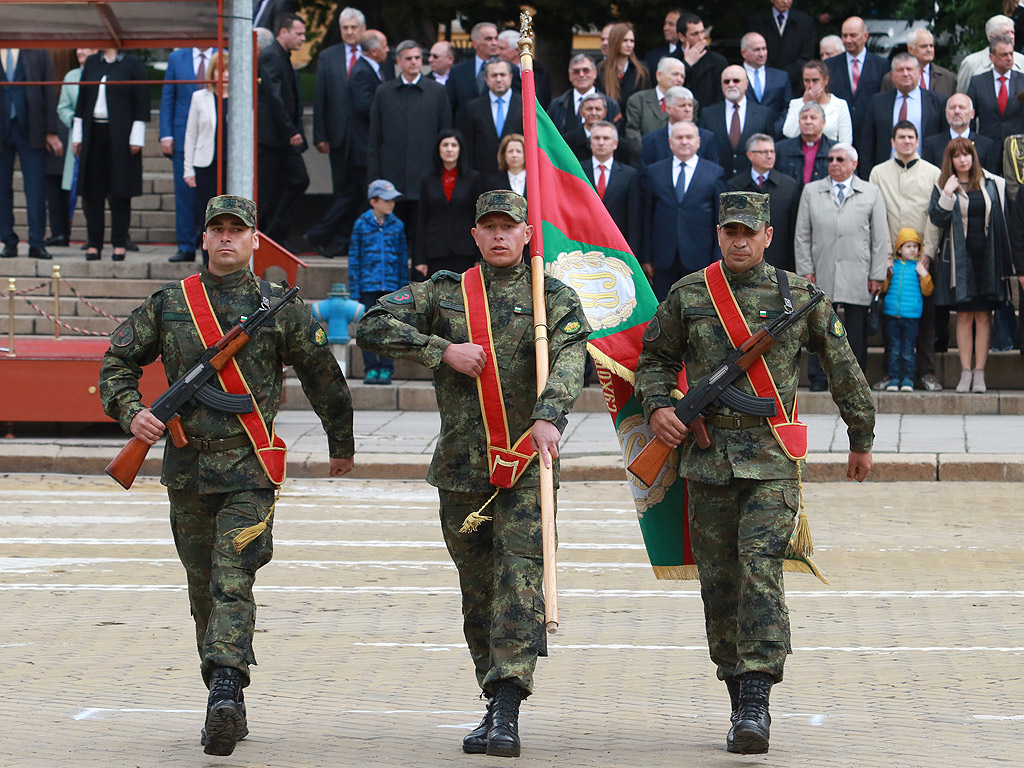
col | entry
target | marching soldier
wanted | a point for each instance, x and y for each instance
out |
(225, 478)
(475, 330)
(744, 491)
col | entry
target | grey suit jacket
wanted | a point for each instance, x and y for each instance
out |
(643, 115)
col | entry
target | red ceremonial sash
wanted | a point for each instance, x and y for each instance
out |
(506, 461)
(790, 432)
(270, 449)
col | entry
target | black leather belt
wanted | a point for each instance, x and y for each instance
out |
(736, 421)
(219, 444)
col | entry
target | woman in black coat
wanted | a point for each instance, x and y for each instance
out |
(447, 210)
(108, 137)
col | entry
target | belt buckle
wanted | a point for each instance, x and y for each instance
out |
(737, 421)
(204, 444)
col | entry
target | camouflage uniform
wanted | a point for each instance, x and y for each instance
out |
(500, 565)
(215, 492)
(743, 491)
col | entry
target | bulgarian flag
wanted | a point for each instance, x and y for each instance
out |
(582, 247)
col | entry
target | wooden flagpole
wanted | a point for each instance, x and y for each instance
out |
(540, 319)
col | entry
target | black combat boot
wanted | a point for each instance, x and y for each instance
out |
(734, 699)
(224, 719)
(241, 707)
(750, 733)
(503, 738)
(475, 742)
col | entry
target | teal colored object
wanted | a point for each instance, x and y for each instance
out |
(337, 310)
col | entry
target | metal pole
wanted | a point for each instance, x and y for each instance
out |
(56, 301)
(12, 286)
(241, 118)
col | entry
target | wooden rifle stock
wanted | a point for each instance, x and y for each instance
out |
(126, 465)
(652, 458)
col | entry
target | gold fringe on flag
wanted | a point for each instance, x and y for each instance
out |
(248, 535)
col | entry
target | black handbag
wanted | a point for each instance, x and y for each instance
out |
(875, 316)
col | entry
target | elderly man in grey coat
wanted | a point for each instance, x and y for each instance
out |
(842, 244)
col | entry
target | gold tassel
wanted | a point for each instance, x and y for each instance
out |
(475, 520)
(248, 535)
(801, 547)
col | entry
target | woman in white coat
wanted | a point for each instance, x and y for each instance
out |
(842, 244)
(201, 152)
(838, 125)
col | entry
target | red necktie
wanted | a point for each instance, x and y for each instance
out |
(903, 108)
(201, 71)
(924, 86)
(856, 74)
(601, 182)
(734, 128)
(760, 181)
(662, 103)
(1003, 95)
(351, 62)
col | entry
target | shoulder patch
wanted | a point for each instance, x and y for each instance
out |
(653, 330)
(571, 325)
(123, 335)
(404, 296)
(318, 336)
(835, 326)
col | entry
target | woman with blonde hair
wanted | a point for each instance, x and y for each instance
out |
(973, 260)
(511, 165)
(622, 74)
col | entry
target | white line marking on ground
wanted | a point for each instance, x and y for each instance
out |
(96, 712)
(704, 648)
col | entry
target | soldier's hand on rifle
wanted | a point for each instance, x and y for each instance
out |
(468, 358)
(544, 438)
(667, 426)
(147, 427)
(858, 466)
(340, 467)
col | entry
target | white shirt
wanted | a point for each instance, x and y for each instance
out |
(607, 168)
(578, 98)
(411, 82)
(677, 166)
(965, 135)
(442, 79)
(16, 54)
(995, 80)
(505, 98)
(137, 136)
(913, 111)
(750, 76)
(838, 124)
(754, 174)
(517, 182)
(478, 62)
(196, 52)
(926, 73)
(847, 191)
(860, 65)
(730, 107)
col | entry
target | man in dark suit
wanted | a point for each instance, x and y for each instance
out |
(994, 94)
(703, 66)
(735, 120)
(960, 117)
(332, 117)
(175, 100)
(804, 158)
(28, 129)
(790, 37)
(769, 87)
(564, 109)
(366, 76)
(617, 184)
(925, 109)
(441, 59)
(939, 80)
(407, 114)
(681, 208)
(466, 79)
(856, 76)
(784, 195)
(678, 106)
(282, 172)
(672, 44)
(484, 121)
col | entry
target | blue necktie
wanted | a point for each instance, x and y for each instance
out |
(499, 116)
(681, 183)
(757, 85)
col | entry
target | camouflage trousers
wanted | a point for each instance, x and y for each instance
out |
(739, 533)
(220, 580)
(501, 573)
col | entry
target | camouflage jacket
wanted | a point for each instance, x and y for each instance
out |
(686, 327)
(162, 327)
(420, 321)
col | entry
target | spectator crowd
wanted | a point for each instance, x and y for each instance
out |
(893, 183)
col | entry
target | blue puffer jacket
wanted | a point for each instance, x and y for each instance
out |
(905, 290)
(378, 255)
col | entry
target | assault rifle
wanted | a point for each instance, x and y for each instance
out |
(194, 386)
(717, 389)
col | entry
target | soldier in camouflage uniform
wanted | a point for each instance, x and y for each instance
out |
(743, 490)
(216, 484)
(500, 565)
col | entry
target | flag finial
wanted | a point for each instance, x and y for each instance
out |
(526, 40)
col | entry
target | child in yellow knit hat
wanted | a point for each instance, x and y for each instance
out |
(904, 299)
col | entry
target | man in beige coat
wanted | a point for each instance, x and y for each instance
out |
(906, 183)
(842, 244)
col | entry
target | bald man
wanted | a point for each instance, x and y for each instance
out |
(735, 120)
(856, 75)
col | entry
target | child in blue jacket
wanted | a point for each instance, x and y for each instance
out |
(378, 263)
(904, 300)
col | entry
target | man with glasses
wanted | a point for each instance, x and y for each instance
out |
(441, 58)
(565, 108)
(784, 197)
(735, 120)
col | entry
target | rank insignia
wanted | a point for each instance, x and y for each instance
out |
(319, 337)
(653, 330)
(123, 336)
(402, 297)
(572, 326)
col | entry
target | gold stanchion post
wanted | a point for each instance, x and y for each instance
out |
(56, 301)
(11, 288)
